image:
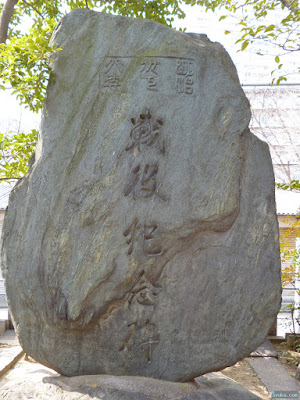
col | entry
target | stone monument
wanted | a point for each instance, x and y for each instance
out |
(143, 240)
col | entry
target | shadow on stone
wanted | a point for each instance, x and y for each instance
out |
(213, 386)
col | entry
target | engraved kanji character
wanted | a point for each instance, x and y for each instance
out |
(149, 72)
(113, 73)
(185, 68)
(141, 336)
(143, 184)
(144, 132)
(145, 293)
(136, 232)
(181, 67)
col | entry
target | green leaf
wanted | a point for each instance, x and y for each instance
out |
(18, 149)
(293, 185)
(270, 28)
(245, 45)
(24, 58)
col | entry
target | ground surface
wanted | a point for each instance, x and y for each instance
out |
(288, 358)
(242, 372)
(14, 384)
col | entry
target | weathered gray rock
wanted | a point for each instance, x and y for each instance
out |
(144, 239)
(35, 382)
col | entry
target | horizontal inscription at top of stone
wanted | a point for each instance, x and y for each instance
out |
(166, 75)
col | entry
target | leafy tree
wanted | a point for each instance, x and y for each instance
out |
(293, 185)
(26, 27)
(252, 14)
(23, 58)
(24, 55)
(16, 151)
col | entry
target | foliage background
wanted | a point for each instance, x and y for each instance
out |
(25, 52)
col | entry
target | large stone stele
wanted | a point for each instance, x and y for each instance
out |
(143, 240)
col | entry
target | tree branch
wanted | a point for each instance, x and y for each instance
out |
(5, 18)
(10, 179)
(34, 8)
(288, 5)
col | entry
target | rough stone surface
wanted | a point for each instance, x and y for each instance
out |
(143, 240)
(265, 350)
(32, 381)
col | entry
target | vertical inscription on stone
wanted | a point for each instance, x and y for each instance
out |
(143, 333)
(113, 73)
(150, 73)
(141, 236)
(185, 76)
(142, 181)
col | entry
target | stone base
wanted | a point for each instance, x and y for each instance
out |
(38, 384)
